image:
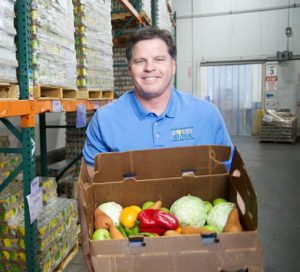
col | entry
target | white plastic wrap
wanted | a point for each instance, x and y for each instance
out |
(53, 44)
(93, 36)
(146, 7)
(8, 60)
(163, 16)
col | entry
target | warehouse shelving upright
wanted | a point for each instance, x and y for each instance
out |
(26, 108)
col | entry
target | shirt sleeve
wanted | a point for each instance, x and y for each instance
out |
(94, 143)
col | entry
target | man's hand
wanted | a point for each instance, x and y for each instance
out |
(90, 171)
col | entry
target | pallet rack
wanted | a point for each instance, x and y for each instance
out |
(27, 107)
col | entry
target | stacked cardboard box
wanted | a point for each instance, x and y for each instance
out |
(8, 60)
(56, 225)
(93, 37)
(122, 81)
(53, 50)
(168, 174)
(278, 126)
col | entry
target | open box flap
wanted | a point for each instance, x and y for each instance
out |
(160, 163)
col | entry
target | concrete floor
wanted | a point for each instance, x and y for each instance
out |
(275, 173)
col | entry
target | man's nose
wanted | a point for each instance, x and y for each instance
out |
(149, 65)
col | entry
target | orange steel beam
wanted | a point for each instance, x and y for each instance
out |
(27, 109)
(132, 10)
(14, 108)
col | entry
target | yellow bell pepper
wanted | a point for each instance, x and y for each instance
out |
(128, 217)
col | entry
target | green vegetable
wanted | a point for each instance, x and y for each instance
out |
(122, 230)
(218, 214)
(101, 234)
(132, 231)
(148, 234)
(113, 210)
(219, 200)
(190, 210)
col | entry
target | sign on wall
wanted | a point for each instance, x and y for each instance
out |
(271, 86)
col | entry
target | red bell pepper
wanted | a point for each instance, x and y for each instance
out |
(157, 221)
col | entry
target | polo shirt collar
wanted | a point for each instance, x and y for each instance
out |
(142, 113)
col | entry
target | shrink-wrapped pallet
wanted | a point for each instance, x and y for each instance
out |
(56, 228)
(53, 45)
(163, 16)
(93, 44)
(122, 81)
(8, 59)
(278, 126)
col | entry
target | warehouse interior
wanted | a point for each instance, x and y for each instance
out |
(242, 56)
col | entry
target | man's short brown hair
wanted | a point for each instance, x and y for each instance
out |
(149, 33)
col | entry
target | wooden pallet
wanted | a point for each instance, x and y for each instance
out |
(9, 91)
(120, 16)
(69, 93)
(53, 92)
(95, 95)
(63, 264)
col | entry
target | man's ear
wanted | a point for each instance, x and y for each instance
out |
(174, 66)
(129, 70)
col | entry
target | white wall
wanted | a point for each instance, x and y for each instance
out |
(211, 36)
(256, 32)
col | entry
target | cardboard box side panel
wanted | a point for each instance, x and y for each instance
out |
(243, 195)
(237, 161)
(133, 192)
(182, 253)
(246, 199)
(160, 163)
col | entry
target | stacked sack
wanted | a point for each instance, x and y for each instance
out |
(53, 50)
(93, 40)
(8, 60)
(56, 228)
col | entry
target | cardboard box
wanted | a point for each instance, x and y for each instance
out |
(167, 174)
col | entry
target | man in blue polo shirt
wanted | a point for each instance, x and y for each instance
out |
(154, 114)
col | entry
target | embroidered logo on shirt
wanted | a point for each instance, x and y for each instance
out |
(182, 134)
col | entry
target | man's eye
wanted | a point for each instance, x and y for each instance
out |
(160, 59)
(138, 61)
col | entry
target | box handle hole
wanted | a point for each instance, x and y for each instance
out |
(209, 238)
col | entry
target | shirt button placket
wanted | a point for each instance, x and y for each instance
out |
(156, 134)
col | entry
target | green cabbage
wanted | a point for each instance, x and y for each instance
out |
(218, 214)
(190, 210)
(113, 210)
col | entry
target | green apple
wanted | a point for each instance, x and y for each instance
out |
(208, 205)
(219, 200)
(212, 228)
(165, 209)
(147, 204)
(101, 234)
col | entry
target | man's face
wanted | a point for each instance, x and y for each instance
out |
(151, 68)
